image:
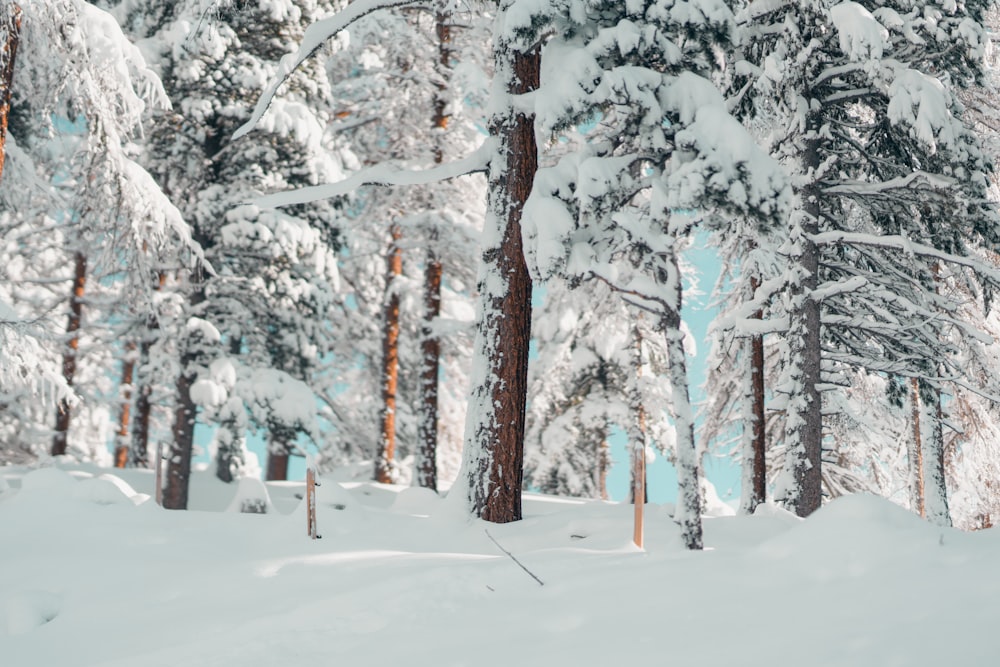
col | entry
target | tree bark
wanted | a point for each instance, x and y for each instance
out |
(430, 354)
(915, 453)
(175, 495)
(804, 421)
(385, 464)
(494, 444)
(125, 410)
(143, 406)
(430, 346)
(277, 462)
(754, 481)
(936, 499)
(8, 55)
(63, 411)
(637, 438)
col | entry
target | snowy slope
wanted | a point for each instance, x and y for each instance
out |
(92, 573)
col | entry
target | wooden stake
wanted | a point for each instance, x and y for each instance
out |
(311, 503)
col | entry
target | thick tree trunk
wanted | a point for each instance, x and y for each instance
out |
(125, 410)
(915, 452)
(277, 460)
(175, 493)
(754, 483)
(936, 498)
(494, 442)
(63, 411)
(11, 31)
(430, 354)
(803, 492)
(385, 464)
(430, 346)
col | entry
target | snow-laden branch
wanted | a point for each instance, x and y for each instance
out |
(315, 36)
(904, 244)
(901, 183)
(383, 174)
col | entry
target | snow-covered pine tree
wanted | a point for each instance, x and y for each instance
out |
(890, 183)
(260, 314)
(619, 210)
(584, 382)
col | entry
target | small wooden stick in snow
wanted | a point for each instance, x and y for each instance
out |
(519, 563)
(311, 503)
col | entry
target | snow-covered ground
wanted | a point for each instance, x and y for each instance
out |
(94, 573)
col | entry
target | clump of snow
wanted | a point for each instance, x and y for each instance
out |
(861, 35)
(251, 497)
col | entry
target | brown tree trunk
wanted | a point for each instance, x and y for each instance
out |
(916, 454)
(755, 476)
(385, 465)
(143, 406)
(495, 448)
(277, 462)
(63, 412)
(175, 495)
(603, 463)
(8, 54)
(430, 353)
(430, 346)
(124, 412)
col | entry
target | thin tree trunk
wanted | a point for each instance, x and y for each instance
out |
(603, 463)
(175, 495)
(385, 464)
(430, 346)
(493, 458)
(125, 410)
(754, 481)
(63, 411)
(143, 406)
(637, 438)
(686, 459)
(936, 499)
(916, 454)
(11, 31)
(804, 423)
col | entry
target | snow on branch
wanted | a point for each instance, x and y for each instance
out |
(904, 244)
(315, 36)
(862, 188)
(383, 174)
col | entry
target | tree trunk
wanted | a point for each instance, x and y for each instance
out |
(63, 412)
(637, 438)
(494, 443)
(175, 495)
(804, 421)
(230, 438)
(385, 464)
(915, 453)
(754, 481)
(686, 459)
(430, 355)
(603, 463)
(125, 411)
(11, 31)
(143, 406)
(430, 346)
(277, 461)
(936, 499)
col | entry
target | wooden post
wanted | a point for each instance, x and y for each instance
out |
(311, 503)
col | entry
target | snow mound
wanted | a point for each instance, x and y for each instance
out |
(251, 497)
(416, 501)
(24, 611)
(53, 484)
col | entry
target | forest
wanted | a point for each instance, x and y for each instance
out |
(325, 224)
